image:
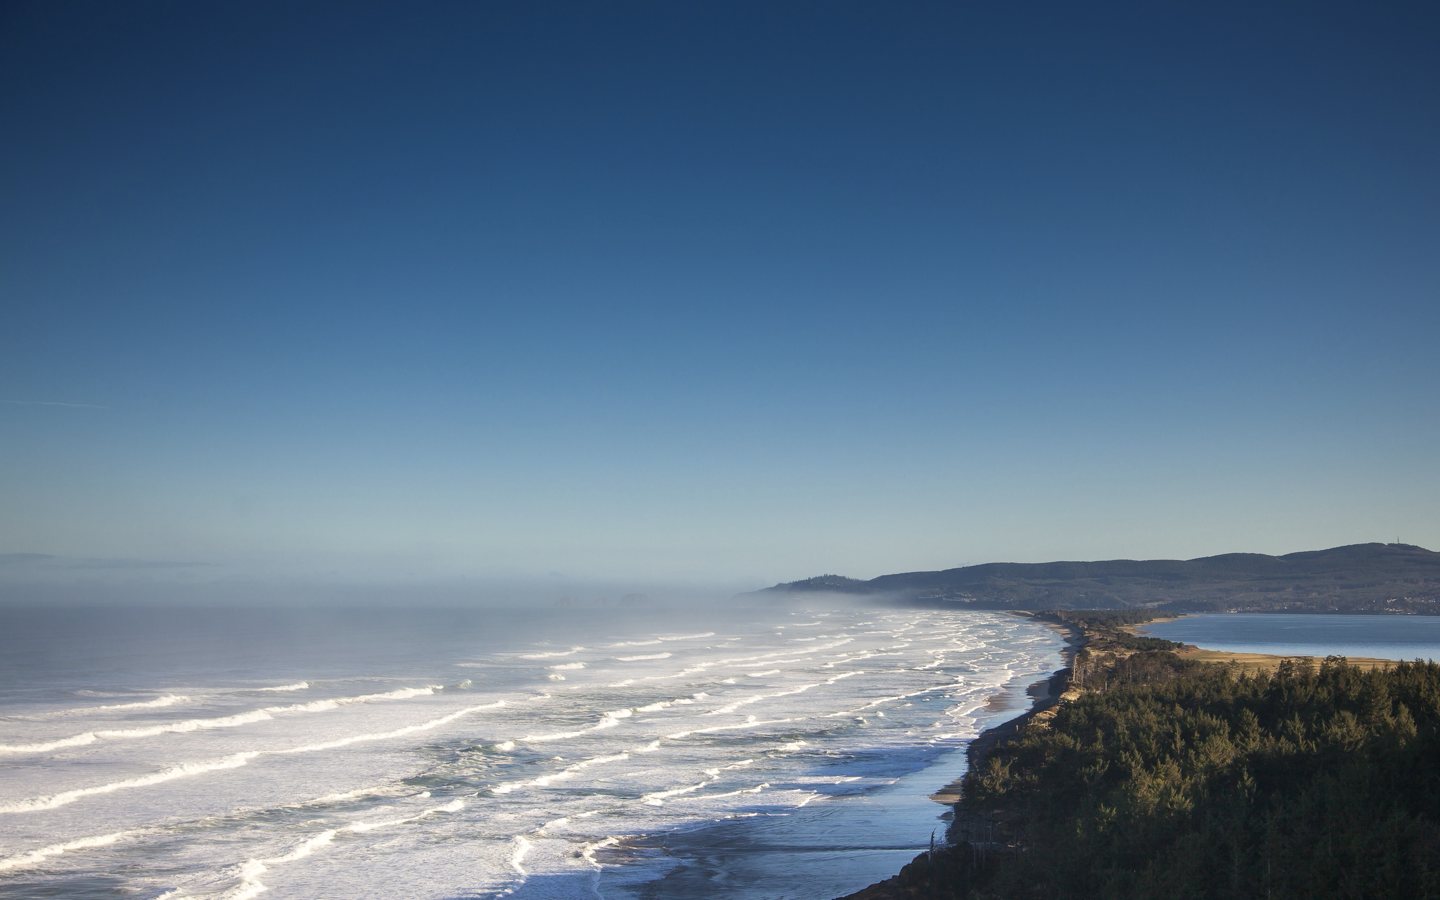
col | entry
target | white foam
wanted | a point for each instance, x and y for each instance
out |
(587, 853)
(645, 656)
(338, 798)
(551, 655)
(567, 666)
(78, 740)
(297, 686)
(756, 698)
(233, 761)
(750, 722)
(553, 823)
(609, 720)
(522, 847)
(772, 662)
(35, 856)
(400, 694)
(658, 798)
(167, 700)
(250, 885)
(233, 721)
(247, 718)
(452, 806)
(386, 735)
(567, 772)
(874, 703)
(691, 670)
(755, 790)
(250, 872)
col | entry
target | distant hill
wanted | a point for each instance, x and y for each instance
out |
(1396, 578)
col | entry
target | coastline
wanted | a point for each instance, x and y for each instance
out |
(1045, 696)
(829, 849)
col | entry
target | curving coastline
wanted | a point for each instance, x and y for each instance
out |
(1175, 770)
(1045, 695)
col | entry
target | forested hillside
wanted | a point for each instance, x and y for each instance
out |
(1189, 780)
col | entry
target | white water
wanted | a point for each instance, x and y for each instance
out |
(438, 754)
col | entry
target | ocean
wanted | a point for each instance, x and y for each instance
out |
(685, 753)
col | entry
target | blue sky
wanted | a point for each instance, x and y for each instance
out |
(727, 293)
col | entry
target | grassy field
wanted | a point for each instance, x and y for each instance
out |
(1252, 662)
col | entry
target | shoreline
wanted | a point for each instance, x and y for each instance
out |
(1044, 695)
(1047, 694)
(826, 851)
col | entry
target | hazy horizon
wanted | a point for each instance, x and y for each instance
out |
(38, 579)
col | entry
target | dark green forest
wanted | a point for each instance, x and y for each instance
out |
(1192, 780)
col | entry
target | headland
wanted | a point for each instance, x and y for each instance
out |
(1020, 797)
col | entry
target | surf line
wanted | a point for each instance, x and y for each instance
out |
(522, 847)
(166, 700)
(233, 721)
(35, 856)
(233, 761)
(250, 872)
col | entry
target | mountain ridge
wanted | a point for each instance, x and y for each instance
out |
(1391, 578)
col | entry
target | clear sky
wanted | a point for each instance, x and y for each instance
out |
(712, 293)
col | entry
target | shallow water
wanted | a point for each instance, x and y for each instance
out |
(485, 753)
(1381, 637)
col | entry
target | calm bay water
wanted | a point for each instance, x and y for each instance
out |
(557, 753)
(1382, 637)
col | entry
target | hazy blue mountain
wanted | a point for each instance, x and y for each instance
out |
(1399, 578)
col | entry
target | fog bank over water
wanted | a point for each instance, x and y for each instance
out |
(417, 594)
(44, 580)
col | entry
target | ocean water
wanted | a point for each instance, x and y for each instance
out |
(1381, 637)
(488, 753)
